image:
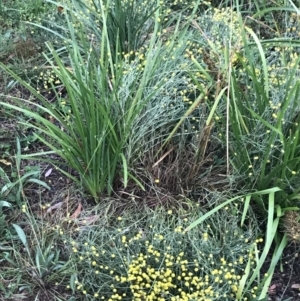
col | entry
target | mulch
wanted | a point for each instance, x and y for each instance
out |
(285, 284)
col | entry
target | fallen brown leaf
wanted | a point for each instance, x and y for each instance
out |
(5, 162)
(272, 289)
(88, 220)
(77, 212)
(53, 207)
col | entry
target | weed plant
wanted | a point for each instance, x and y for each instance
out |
(41, 269)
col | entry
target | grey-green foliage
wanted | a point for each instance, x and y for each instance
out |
(168, 88)
(112, 250)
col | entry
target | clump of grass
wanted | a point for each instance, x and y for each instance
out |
(153, 258)
(258, 116)
(126, 85)
(266, 154)
(128, 24)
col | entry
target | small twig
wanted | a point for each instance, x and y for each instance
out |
(290, 278)
(161, 158)
(130, 194)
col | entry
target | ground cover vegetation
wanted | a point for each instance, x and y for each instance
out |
(149, 149)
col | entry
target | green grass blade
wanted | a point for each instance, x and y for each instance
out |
(21, 234)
